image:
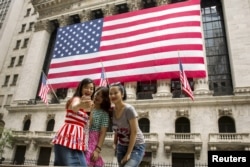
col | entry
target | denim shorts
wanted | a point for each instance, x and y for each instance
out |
(135, 157)
(68, 157)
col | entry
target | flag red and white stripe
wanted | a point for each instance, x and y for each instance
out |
(44, 90)
(103, 80)
(185, 86)
(135, 46)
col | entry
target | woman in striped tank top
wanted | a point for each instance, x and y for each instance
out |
(71, 139)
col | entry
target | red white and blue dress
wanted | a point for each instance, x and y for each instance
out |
(74, 133)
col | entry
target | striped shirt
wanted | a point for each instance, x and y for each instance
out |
(74, 133)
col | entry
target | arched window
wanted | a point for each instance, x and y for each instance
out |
(226, 125)
(144, 125)
(26, 126)
(182, 125)
(50, 125)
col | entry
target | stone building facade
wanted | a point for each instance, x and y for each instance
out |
(178, 131)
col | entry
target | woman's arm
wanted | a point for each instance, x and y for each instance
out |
(132, 139)
(98, 148)
(80, 103)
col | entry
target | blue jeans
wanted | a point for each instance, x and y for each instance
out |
(135, 158)
(68, 157)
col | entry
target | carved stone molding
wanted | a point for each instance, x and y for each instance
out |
(162, 2)
(182, 113)
(65, 20)
(242, 91)
(134, 5)
(50, 116)
(44, 25)
(225, 112)
(143, 114)
(85, 15)
(53, 7)
(27, 117)
(109, 10)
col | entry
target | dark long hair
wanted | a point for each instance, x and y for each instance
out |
(105, 105)
(78, 92)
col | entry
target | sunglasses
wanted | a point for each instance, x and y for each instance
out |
(115, 84)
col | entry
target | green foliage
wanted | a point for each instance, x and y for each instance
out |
(6, 140)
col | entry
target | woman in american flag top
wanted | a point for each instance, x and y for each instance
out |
(71, 139)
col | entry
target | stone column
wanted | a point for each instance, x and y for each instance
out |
(162, 2)
(65, 20)
(201, 87)
(163, 89)
(109, 10)
(134, 5)
(131, 90)
(85, 15)
(31, 72)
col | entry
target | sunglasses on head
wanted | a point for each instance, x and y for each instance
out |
(115, 84)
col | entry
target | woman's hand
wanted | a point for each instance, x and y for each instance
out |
(95, 155)
(86, 103)
(125, 158)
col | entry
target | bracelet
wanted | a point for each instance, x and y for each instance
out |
(99, 147)
(98, 151)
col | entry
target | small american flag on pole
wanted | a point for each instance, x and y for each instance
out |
(185, 87)
(44, 89)
(103, 81)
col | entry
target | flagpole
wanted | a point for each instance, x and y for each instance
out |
(179, 72)
(105, 75)
(51, 87)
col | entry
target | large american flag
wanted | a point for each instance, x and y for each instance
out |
(135, 46)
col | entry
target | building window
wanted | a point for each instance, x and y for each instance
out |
(8, 100)
(44, 156)
(26, 125)
(144, 125)
(176, 88)
(19, 158)
(31, 26)
(218, 65)
(28, 12)
(182, 125)
(183, 159)
(148, 3)
(226, 125)
(20, 61)
(122, 8)
(12, 61)
(23, 28)
(14, 81)
(97, 14)
(25, 43)
(146, 89)
(6, 81)
(18, 43)
(50, 125)
(1, 100)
